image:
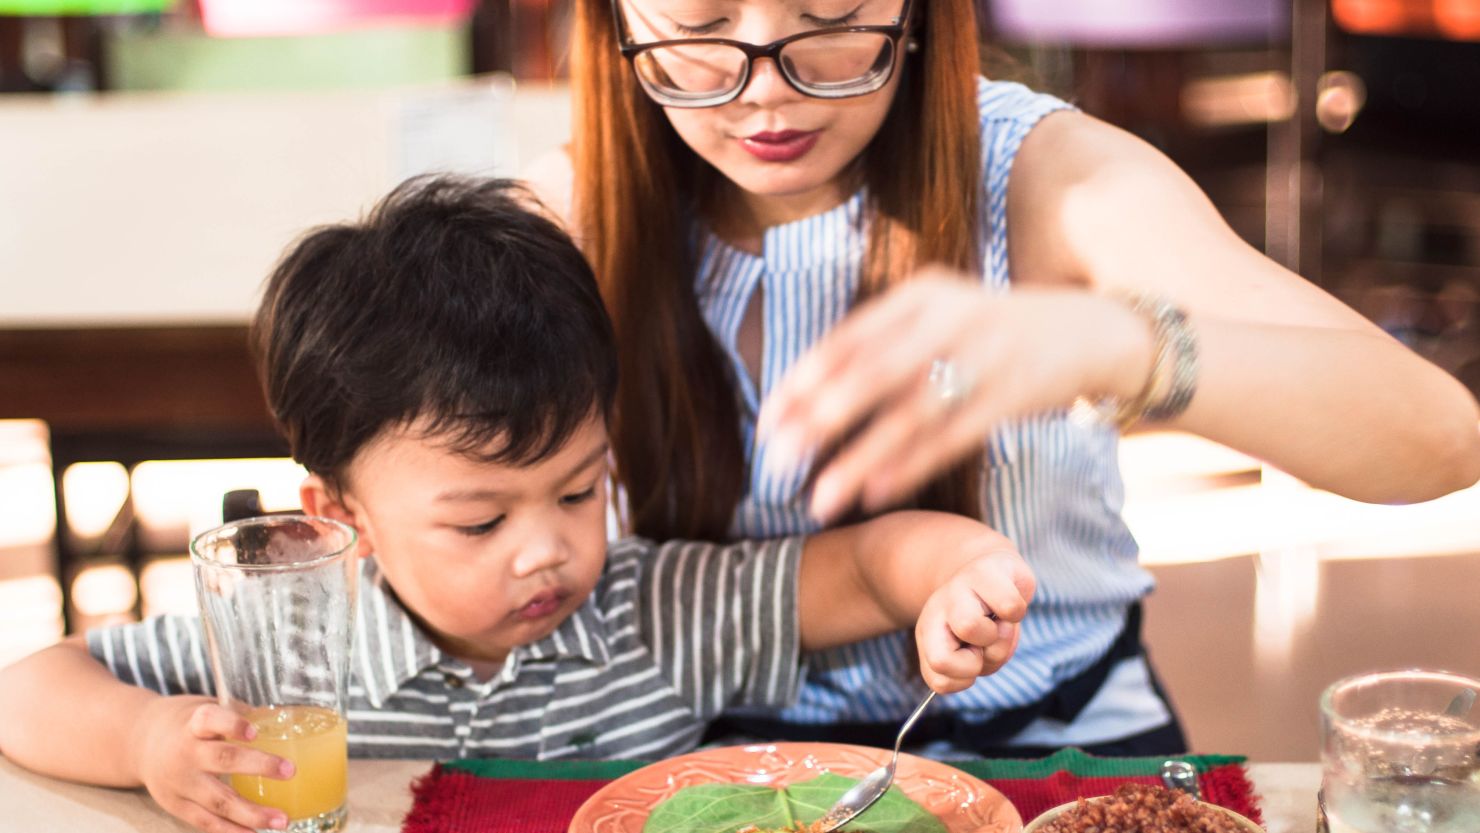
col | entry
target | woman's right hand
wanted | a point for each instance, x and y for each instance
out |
(865, 392)
(183, 746)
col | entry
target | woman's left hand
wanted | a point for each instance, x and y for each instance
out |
(916, 379)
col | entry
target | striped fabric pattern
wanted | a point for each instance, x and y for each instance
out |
(672, 635)
(1051, 483)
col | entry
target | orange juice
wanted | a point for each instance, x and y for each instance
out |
(316, 741)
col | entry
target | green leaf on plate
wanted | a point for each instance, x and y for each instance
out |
(726, 808)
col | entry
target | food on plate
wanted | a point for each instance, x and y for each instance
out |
(1143, 808)
(760, 808)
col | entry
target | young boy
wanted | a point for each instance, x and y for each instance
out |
(445, 371)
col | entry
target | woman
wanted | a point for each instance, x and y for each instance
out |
(820, 205)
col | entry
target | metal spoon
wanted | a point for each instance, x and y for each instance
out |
(870, 789)
(1180, 775)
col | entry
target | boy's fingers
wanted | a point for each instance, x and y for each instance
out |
(234, 812)
(222, 758)
(967, 619)
(1000, 651)
(943, 653)
(212, 721)
(942, 684)
(1005, 599)
(202, 819)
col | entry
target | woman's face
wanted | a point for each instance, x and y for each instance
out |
(776, 144)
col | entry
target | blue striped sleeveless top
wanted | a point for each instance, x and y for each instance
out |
(1051, 483)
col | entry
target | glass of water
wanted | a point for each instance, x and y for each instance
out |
(1401, 753)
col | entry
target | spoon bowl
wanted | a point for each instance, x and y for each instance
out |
(863, 794)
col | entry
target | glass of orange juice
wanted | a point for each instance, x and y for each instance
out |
(277, 596)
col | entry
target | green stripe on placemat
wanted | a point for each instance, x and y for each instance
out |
(545, 770)
(1080, 763)
(1073, 761)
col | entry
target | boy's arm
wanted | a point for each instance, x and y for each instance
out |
(66, 716)
(872, 578)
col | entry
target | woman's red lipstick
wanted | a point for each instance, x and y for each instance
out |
(780, 145)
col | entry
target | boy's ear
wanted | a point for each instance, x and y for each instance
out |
(317, 498)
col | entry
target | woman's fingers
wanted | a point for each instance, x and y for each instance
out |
(872, 356)
(822, 407)
(893, 432)
(960, 431)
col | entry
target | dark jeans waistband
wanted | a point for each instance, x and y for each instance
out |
(1064, 703)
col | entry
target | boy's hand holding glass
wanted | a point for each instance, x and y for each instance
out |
(184, 745)
(969, 625)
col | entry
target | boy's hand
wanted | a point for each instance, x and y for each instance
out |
(184, 744)
(969, 625)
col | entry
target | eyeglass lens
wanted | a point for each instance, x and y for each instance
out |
(828, 64)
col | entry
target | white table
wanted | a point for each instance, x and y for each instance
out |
(380, 795)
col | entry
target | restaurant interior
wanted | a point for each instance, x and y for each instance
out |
(156, 156)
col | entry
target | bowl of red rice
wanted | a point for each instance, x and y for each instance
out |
(1141, 808)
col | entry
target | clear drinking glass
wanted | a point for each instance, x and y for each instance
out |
(277, 595)
(1401, 754)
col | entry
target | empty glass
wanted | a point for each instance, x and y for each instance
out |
(277, 596)
(1401, 754)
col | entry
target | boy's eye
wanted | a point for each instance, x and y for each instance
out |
(481, 529)
(579, 497)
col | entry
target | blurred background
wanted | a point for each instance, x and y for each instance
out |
(156, 156)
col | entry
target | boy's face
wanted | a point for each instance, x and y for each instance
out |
(487, 556)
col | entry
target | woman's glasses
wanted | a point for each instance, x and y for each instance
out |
(835, 62)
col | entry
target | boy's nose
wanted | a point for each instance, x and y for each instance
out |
(546, 553)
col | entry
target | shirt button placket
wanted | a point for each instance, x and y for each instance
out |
(462, 704)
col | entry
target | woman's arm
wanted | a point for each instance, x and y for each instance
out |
(1288, 373)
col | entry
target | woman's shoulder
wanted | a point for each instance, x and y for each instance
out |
(1014, 103)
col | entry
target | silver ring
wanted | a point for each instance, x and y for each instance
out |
(947, 383)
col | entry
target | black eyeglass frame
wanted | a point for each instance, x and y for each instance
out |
(895, 31)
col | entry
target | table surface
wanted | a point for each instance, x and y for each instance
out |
(380, 796)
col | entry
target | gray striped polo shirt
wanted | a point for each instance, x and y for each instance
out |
(671, 636)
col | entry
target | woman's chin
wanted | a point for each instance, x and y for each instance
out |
(799, 186)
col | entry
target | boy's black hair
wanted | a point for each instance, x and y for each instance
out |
(454, 304)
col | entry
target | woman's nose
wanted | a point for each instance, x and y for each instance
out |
(766, 84)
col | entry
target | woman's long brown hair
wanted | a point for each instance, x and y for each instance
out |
(675, 430)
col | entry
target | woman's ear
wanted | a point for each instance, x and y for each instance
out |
(317, 497)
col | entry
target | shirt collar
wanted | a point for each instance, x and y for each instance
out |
(581, 636)
(393, 649)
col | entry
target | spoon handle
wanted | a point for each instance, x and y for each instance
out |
(910, 721)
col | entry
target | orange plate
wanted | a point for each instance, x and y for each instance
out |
(963, 803)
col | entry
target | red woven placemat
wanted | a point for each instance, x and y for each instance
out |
(533, 797)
